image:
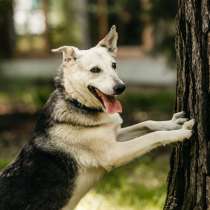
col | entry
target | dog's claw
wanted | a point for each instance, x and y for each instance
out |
(113, 28)
(178, 115)
(179, 119)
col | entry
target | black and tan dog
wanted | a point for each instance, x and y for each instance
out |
(78, 136)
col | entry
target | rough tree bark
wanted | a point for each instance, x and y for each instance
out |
(189, 177)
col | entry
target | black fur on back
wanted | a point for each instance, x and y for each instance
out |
(37, 180)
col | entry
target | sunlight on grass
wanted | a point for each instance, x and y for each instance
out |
(99, 202)
(140, 185)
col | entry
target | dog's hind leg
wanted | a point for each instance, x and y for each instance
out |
(149, 126)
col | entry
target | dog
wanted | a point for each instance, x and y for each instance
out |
(78, 135)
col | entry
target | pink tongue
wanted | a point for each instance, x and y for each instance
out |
(111, 104)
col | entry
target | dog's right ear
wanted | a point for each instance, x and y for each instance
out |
(68, 52)
(110, 41)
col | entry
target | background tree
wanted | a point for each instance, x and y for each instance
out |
(189, 178)
(7, 43)
(162, 14)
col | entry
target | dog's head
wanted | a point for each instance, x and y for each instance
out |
(90, 76)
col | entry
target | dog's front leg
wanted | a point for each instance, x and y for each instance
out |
(121, 153)
(130, 132)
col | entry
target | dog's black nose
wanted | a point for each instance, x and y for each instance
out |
(119, 88)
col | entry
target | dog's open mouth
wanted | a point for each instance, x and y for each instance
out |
(109, 102)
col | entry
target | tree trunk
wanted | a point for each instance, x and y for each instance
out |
(46, 34)
(102, 18)
(81, 15)
(189, 177)
(7, 33)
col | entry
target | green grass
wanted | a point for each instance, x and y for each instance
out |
(3, 163)
(141, 183)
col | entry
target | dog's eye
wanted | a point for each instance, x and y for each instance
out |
(95, 70)
(114, 65)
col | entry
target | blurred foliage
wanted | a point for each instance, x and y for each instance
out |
(65, 30)
(130, 23)
(33, 94)
(7, 43)
(163, 10)
(149, 100)
(130, 16)
(123, 13)
(133, 100)
(162, 14)
(147, 104)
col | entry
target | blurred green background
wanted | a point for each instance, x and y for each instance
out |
(146, 62)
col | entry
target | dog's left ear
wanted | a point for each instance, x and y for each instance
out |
(110, 41)
(68, 52)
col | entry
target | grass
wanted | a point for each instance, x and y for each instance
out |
(140, 185)
(3, 163)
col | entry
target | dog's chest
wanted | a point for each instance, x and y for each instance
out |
(85, 144)
(85, 180)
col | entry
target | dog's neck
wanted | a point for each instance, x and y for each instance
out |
(71, 101)
(63, 112)
(75, 103)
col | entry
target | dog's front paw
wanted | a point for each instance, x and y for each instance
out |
(176, 136)
(181, 135)
(188, 125)
(179, 118)
(186, 134)
(187, 130)
(176, 122)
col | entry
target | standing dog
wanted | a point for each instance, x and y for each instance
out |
(78, 136)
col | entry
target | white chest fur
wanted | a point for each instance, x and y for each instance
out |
(85, 144)
(86, 179)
